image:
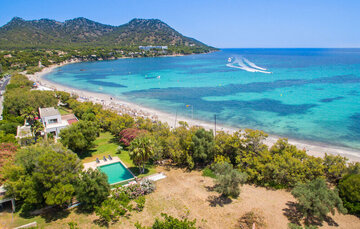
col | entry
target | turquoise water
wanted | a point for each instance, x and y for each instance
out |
(116, 172)
(308, 94)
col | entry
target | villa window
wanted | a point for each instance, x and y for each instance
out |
(52, 121)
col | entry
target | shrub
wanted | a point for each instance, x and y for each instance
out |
(133, 191)
(8, 126)
(148, 186)
(170, 222)
(295, 226)
(221, 159)
(140, 203)
(349, 190)
(111, 210)
(119, 150)
(207, 172)
(255, 216)
(73, 225)
(353, 168)
(228, 179)
(129, 134)
(7, 137)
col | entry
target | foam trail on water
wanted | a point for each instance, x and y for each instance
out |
(251, 64)
(239, 63)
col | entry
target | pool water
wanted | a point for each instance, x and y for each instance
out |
(116, 172)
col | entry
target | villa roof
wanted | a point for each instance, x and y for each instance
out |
(70, 118)
(49, 111)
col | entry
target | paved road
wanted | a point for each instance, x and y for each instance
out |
(3, 85)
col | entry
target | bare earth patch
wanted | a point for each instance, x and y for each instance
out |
(181, 192)
(189, 193)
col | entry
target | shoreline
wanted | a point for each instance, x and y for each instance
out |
(317, 149)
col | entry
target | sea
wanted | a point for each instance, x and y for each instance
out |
(305, 94)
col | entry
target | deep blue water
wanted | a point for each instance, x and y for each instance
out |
(309, 94)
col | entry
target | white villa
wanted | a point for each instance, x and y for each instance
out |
(53, 121)
(149, 47)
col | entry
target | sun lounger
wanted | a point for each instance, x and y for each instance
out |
(104, 158)
(110, 158)
(97, 160)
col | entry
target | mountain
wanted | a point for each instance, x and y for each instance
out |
(84, 32)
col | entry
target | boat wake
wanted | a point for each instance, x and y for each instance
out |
(246, 65)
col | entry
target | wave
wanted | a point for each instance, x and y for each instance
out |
(251, 64)
(250, 67)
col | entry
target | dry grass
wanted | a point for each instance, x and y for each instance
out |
(183, 193)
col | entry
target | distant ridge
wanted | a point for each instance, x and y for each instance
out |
(84, 32)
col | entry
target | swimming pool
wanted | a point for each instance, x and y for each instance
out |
(116, 172)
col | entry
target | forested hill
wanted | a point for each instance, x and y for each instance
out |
(79, 32)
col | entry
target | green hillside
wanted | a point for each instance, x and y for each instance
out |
(82, 32)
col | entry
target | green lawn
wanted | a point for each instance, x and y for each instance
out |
(51, 219)
(106, 145)
(64, 111)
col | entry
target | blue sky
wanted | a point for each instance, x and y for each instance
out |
(220, 23)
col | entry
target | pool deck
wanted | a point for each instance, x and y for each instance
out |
(94, 165)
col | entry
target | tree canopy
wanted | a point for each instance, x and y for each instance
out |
(42, 174)
(20, 100)
(316, 200)
(79, 136)
(7, 155)
(92, 189)
(349, 191)
(202, 147)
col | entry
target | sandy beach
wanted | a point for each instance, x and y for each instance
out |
(120, 106)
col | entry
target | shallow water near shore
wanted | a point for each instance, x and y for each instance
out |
(306, 94)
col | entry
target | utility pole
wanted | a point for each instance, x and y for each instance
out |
(215, 124)
(192, 111)
(175, 118)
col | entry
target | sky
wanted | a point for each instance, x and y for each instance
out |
(219, 23)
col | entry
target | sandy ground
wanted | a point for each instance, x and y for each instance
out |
(182, 191)
(189, 194)
(313, 148)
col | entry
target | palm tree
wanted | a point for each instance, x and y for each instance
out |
(29, 114)
(141, 149)
(36, 129)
